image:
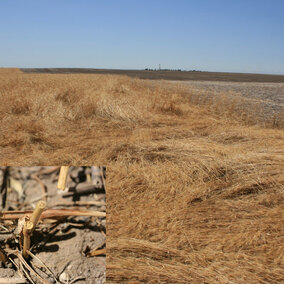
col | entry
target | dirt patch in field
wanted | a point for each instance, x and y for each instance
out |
(262, 101)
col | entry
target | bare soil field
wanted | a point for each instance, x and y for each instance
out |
(61, 245)
(268, 97)
(270, 92)
(194, 186)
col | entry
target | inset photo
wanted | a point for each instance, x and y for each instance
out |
(53, 224)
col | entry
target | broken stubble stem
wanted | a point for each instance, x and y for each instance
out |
(63, 177)
(40, 206)
(30, 225)
(28, 228)
(97, 252)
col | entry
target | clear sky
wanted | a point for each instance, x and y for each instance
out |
(208, 35)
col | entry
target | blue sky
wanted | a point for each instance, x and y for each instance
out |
(208, 35)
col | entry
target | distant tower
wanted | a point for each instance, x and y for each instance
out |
(159, 66)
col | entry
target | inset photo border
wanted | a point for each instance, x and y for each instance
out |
(53, 224)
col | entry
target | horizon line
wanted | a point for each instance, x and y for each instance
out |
(149, 69)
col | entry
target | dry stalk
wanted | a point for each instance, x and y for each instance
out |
(97, 252)
(31, 270)
(37, 213)
(30, 225)
(27, 231)
(54, 213)
(50, 214)
(44, 265)
(81, 203)
(62, 177)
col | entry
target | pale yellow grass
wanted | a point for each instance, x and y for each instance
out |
(194, 193)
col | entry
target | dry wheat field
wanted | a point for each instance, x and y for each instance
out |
(194, 182)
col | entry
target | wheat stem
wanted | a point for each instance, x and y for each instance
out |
(37, 213)
(28, 228)
(62, 177)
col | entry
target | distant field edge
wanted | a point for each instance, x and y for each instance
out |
(9, 70)
(166, 75)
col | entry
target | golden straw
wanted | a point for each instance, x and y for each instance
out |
(37, 212)
(63, 177)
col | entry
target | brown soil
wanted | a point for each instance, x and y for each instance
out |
(62, 245)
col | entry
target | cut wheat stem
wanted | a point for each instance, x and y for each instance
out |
(37, 213)
(51, 214)
(27, 231)
(97, 252)
(62, 177)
